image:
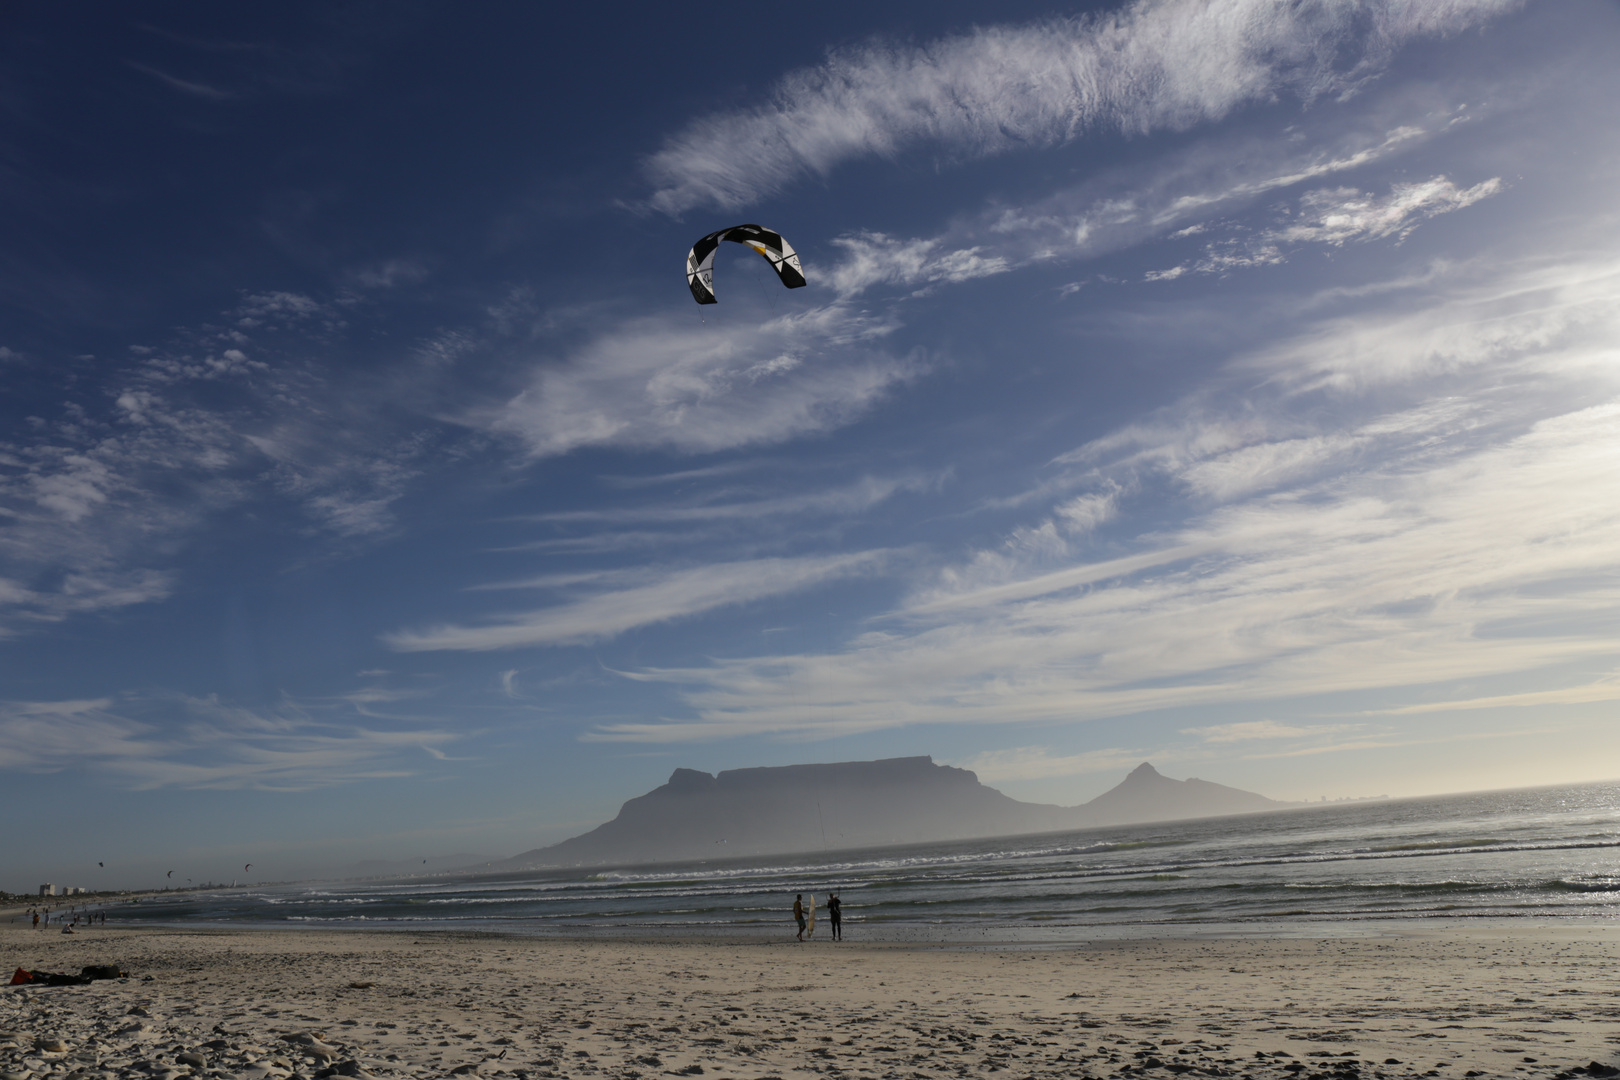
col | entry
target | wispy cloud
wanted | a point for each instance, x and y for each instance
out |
(630, 599)
(1207, 190)
(1337, 216)
(875, 259)
(101, 496)
(1449, 516)
(1605, 689)
(863, 494)
(673, 384)
(1252, 730)
(147, 741)
(184, 86)
(1154, 65)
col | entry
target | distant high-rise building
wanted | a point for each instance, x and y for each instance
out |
(47, 889)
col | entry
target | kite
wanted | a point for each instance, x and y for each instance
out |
(245, 868)
(777, 251)
(170, 874)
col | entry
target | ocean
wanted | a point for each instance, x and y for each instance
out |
(1545, 852)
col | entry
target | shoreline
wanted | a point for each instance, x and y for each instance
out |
(962, 933)
(1448, 998)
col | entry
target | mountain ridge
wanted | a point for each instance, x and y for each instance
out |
(793, 809)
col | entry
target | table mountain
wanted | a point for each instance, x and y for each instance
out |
(856, 804)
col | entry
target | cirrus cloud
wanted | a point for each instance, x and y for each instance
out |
(1154, 65)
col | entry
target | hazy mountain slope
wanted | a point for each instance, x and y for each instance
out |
(1147, 795)
(801, 808)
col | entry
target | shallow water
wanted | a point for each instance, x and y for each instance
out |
(1537, 852)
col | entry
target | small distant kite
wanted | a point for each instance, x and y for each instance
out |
(245, 868)
(170, 874)
(769, 243)
(102, 865)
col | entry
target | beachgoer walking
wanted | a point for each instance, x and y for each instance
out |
(835, 915)
(798, 913)
(36, 920)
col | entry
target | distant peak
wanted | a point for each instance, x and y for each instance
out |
(687, 778)
(1143, 771)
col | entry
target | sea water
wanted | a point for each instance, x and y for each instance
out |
(1541, 852)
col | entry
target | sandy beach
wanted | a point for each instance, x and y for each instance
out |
(1452, 999)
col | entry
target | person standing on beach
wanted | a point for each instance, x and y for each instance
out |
(798, 913)
(835, 915)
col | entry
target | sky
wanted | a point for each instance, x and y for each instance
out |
(1227, 384)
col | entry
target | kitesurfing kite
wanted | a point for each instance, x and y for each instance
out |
(777, 251)
(169, 874)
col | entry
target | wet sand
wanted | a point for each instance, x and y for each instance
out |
(1452, 998)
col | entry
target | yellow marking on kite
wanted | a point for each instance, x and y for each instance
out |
(759, 248)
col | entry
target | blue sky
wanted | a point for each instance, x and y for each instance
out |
(1232, 385)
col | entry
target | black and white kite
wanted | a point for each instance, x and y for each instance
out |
(777, 251)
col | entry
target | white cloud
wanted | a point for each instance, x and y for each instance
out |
(676, 384)
(389, 273)
(1085, 513)
(1549, 319)
(1265, 465)
(1115, 210)
(1249, 730)
(100, 499)
(89, 501)
(1153, 65)
(1451, 516)
(281, 308)
(875, 259)
(1605, 689)
(637, 598)
(853, 498)
(188, 742)
(1338, 215)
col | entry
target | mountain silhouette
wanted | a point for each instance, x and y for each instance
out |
(796, 809)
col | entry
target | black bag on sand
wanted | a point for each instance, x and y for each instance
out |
(52, 978)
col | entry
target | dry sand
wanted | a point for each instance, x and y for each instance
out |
(1452, 999)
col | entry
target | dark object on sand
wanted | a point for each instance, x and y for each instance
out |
(47, 978)
(51, 978)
